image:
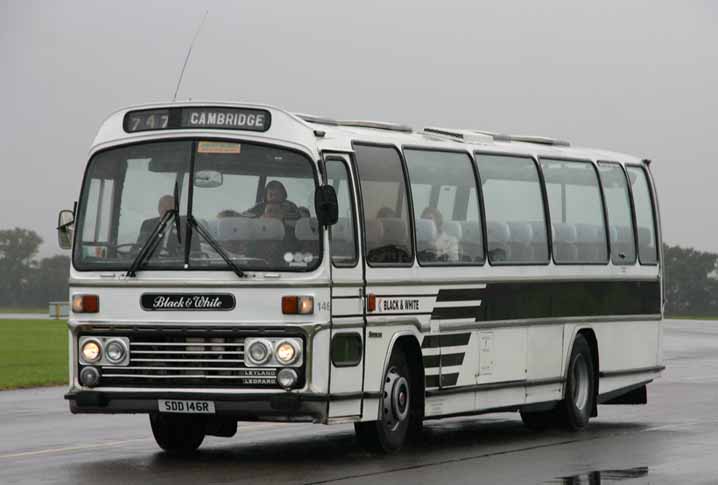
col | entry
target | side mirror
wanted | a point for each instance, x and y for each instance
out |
(326, 205)
(65, 228)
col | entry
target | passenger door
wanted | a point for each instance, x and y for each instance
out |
(347, 331)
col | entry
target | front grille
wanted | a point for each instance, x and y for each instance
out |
(198, 360)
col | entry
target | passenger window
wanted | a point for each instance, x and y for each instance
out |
(618, 206)
(442, 238)
(642, 201)
(515, 220)
(386, 211)
(342, 234)
(574, 201)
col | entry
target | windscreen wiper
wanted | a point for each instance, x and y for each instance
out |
(176, 208)
(215, 245)
(152, 242)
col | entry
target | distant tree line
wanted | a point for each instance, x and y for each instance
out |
(691, 284)
(25, 281)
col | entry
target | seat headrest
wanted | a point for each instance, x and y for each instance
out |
(453, 228)
(588, 233)
(235, 229)
(307, 229)
(521, 232)
(374, 231)
(394, 229)
(342, 230)
(425, 230)
(267, 229)
(564, 232)
(498, 231)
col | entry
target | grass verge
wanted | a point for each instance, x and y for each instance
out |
(32, 353)
(23, 310)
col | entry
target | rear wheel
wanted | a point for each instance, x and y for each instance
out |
(397, 415)
(177, 434)
(574, 410)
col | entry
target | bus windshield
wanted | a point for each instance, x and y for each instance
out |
(254, 202)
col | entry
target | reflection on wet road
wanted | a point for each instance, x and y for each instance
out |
(674, 439)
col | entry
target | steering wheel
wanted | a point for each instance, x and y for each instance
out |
(124, 249)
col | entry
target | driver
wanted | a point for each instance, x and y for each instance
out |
(275, 204)
(166, 203)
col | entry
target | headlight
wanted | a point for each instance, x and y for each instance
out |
(115, 351)
(91, 351)
(259, 351)
(286, 353)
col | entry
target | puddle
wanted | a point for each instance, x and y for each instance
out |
(602, 476)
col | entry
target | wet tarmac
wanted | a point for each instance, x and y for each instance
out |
(673, 439)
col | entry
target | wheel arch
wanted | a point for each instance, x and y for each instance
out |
(409, 343)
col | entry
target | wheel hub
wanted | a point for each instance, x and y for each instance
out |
(396, 402)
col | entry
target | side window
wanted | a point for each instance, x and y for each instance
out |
(342, 234)
(574, 200)
(442, 238)
(515, 218)
(618, 206)
(99, 211)
(647, 249)
(386, 210)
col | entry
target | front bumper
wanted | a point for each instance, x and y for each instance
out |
(283, 406)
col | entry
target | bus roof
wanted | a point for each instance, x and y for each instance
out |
(316, 133)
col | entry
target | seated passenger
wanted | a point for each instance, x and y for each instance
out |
(446, 248)
(275, 204)
(385, 212)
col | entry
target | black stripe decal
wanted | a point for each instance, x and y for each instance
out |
(449, 379)
(445, 340)
(446, 380)
(445, 360)
(515, 301)
(431, 381)
(460, 295)
(448, 313)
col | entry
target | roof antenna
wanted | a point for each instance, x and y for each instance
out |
(189, 52)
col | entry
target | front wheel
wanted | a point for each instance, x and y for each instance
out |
(396, 412)
(177, 434)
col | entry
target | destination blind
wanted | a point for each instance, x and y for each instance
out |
(207, 117)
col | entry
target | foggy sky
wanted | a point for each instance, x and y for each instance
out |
(636, 77)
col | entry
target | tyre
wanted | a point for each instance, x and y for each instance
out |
(177, 434)
(574, 410)
(398, 417)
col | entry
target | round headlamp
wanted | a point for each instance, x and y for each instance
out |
(259, 351)
(286, 353)
(287, 378)
(115, 351)
(91, 351)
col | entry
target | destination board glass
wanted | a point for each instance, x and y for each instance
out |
(204, 117)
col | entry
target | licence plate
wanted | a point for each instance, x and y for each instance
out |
(187, 407)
